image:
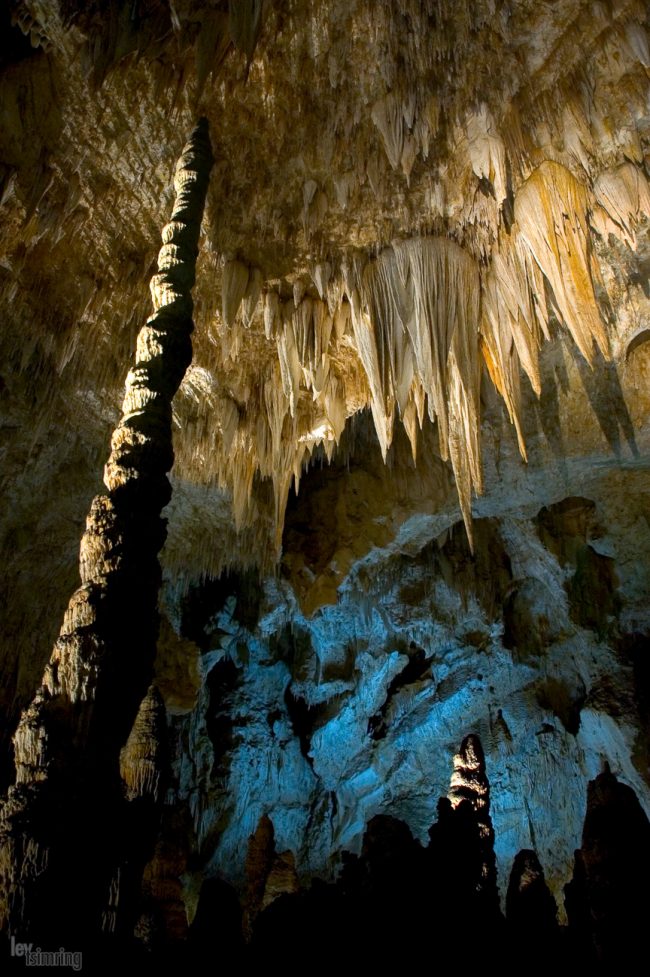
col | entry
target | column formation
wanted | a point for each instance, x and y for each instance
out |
(62, 825)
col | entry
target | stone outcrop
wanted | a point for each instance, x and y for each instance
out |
(330, 716)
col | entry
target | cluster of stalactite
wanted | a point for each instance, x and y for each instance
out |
(377, 128)
(501, 246)
(419, 320)
(76, 825)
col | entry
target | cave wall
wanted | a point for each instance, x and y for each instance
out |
(341, 689)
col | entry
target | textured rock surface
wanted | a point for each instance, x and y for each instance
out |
(67, 744)
(422, 291)
(358, 707)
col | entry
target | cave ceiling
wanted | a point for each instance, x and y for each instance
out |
(407, 198)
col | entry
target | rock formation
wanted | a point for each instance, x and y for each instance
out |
(531, 910)
(470, 786)
(67, 745)
(409, 528)
(607, 917)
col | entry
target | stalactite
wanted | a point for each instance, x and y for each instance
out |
(143, 769)
(387, 116)
(551, 214)
(245, 22)
(405, 332)
(424, 315)
(486, 151)
(623, 196)
(251, 296)
(67, 798)
(142, 758)
(416, 325)
(233, 289)
(272, 314)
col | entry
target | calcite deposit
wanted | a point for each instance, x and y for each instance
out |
(404, 604)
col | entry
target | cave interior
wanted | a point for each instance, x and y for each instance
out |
(325, 535)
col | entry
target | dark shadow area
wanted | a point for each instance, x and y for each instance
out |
(566, 528)
(218, 905)
(528, 612)
(311, 522)
(564, 701)
(14, 45)
(487, 573)
(546, 408)
(531, 911)
(640, 338)
(306, 719)
(222, 681)
(605, 901)
(292, 645)
(203, 601)
(417, 667)
(594, 601)
(603, 388)
(635, 649)
(115, 30)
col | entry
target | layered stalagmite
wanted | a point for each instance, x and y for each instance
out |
(65, 827)
(469, 784)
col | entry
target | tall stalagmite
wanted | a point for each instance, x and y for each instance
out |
(64, 825)
(469, 784)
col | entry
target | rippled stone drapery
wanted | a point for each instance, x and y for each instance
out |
(64, 826)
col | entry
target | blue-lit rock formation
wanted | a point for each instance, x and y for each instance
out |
(324, 720)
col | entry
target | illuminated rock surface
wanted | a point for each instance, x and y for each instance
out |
(422, 304)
